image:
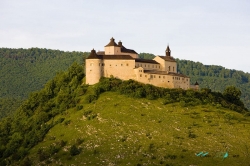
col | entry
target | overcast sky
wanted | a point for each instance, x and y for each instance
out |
(213, 32)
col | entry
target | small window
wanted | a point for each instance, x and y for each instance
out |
(159, 76)
(151, 76)
(121, 64)
(145, 75)
(140, 75)
(127, 64)
(145, 65)
(154, 76)
(163, 76)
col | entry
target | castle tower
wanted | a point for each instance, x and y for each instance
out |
(196, 86)
(112, 48)
(93, 68)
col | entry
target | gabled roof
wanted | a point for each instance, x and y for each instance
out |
(100, 55)
(146, 61)
(124, 49)
(118, 57)
(112, 43)
(168, 58)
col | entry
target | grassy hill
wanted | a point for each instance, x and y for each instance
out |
(118, 130)
(123, 123)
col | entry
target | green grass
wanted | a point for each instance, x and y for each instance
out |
(117, 130)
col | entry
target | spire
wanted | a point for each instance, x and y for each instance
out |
(168, 51)
(112, 42)
(196, 83)
(120, 43)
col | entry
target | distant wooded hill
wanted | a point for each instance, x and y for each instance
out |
(23, 71)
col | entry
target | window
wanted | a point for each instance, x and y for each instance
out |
(140, 75)
(145, 75)
(159, 76)
(154, 76)
(121, 64)
(168, 68)
(163, 76)
(151, 76)
(127, 64)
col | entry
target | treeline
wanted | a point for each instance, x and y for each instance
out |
(216, 78)
(34, 118)
(230, 98)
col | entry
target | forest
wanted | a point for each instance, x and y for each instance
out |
(23, 71)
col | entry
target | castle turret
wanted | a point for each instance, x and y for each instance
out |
(168, 51)
(93, 68)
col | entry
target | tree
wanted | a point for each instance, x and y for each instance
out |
(232, 94)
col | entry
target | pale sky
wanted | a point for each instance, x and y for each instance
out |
(213, 32)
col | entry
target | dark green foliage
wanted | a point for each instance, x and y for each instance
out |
(23, 71)
(184, 97)
(34, 118)
(9, 105)
(74, 150)
(146, 56)
(216, 78)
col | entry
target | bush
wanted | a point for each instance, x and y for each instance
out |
(74, 150)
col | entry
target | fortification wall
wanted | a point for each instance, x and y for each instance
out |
(122, 69)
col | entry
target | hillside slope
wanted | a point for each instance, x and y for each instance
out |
(118, 130)
(123, 123)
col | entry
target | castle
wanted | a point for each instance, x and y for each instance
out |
(120, 62)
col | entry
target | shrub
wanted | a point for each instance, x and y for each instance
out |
(74, 150)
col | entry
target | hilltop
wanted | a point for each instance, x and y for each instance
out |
(124, 122)
(23, 71)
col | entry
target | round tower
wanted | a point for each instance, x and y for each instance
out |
(93, 68)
